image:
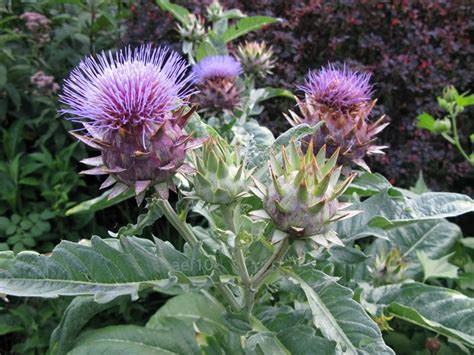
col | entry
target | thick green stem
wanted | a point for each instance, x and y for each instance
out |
(181, 226)
(187, 233)
(228, 212)
(457, 143)
(277, 255)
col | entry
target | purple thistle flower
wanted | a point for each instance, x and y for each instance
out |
(132, 106)
(133, 87)
(341, 89)
(219, 66)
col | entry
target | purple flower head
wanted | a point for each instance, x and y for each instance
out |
(338, 88)
(131, 88)
(219, 66)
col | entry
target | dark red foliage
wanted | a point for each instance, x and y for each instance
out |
(413, 49)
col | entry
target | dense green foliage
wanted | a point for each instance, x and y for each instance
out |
(211, 270)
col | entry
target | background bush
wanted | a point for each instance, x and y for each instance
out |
(413, 49)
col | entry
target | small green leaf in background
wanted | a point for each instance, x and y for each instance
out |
(466, 279)
(179, 12)
(437, 268)
(465, 101)
(3, 76)
(205, 49)
(426, 121)
(246, 25)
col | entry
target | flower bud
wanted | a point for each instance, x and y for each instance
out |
(433, 345)
(342, 100)
(450, 94)
(193, 30)
(442, 126)
(215, 11)
(256, 58)
(221, 177)
(302, 199)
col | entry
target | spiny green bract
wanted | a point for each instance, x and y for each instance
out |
(302, 199)
(221, 177)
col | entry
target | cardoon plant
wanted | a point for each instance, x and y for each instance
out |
(216, 78)
(131, 106)
(342, 99)
(244, 281)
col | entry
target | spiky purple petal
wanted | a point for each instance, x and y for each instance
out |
(338, 88)
(128, 88)
(219, 66)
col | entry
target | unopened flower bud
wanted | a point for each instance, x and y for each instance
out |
(256, 58)
(450, 94)
(194, 29)
(221, 177)
(215, 11)
(442, 126)
(302, 199)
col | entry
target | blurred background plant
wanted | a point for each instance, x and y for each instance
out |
(453, 104)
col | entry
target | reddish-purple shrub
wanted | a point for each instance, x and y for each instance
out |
(412, 48)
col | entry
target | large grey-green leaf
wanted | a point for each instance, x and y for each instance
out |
(302, 340)
(337, 315)
(368, 184)
(439, 309)
(265, 343)
(395, 210)
(77, 315)
(435, 238)
(256, 141)
(176, 338)
(105, 268)
(293, 330)
(294, 133)
(358, 227)
(192, 308)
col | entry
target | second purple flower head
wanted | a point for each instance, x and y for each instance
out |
(216, 78)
